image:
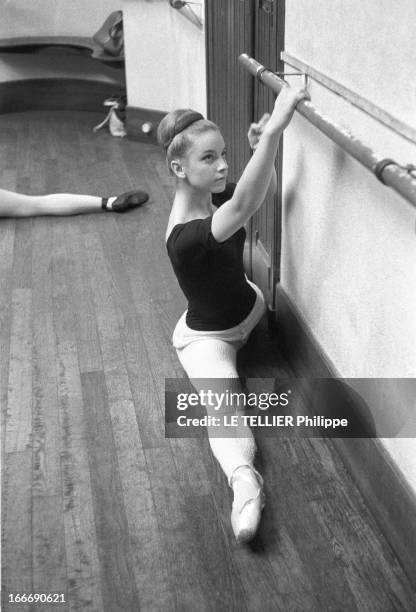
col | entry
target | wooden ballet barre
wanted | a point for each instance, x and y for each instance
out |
(400, 178)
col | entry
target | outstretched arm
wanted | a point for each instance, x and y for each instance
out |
(252, 187)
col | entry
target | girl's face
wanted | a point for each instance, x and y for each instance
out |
(205, 165)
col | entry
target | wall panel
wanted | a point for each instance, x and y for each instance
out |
(349, 249)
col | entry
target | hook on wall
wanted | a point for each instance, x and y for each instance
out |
(187, 11)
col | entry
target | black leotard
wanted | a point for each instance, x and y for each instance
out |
(211, 273)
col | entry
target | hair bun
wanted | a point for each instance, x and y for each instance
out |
(186, 120)
(182, 121)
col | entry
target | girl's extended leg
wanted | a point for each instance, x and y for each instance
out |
(20, 205)
(211, 366)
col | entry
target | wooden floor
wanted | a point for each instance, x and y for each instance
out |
(97, 504)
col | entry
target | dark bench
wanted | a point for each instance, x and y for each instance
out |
(82, 44)
(56, 93)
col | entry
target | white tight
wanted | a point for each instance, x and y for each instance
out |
(216, 359)
(213, 356)
(20, 205)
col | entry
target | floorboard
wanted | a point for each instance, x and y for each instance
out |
(96, 503)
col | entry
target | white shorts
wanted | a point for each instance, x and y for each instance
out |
(237, 335)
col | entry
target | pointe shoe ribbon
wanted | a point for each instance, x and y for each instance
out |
(245, 517)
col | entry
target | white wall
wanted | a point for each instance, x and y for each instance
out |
(349, 249)
(165, 57)
(369, 43)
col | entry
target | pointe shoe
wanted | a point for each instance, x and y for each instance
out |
(245, 518)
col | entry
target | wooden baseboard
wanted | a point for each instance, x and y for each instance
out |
(55, 94)
(388, 495)
(137, 117)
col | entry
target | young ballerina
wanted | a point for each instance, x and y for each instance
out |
(20, 205)
(205, 239)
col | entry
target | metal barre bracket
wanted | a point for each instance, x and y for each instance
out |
(297, 73)
(261, 69)
(290, 73)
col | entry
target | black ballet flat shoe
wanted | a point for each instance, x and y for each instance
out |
(130, 199)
